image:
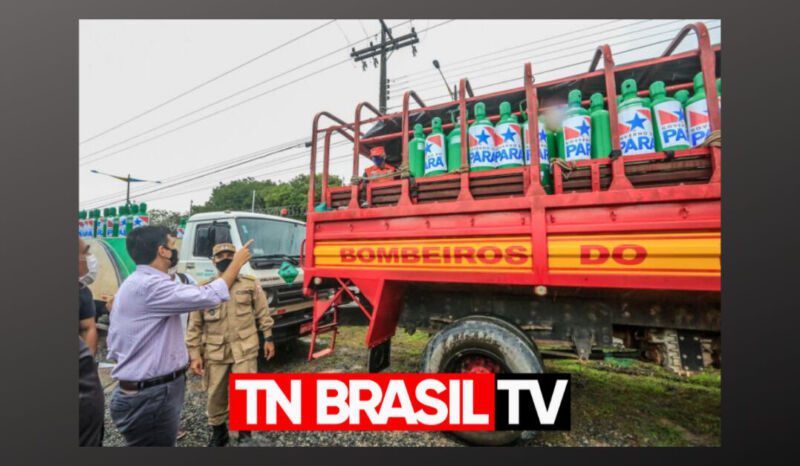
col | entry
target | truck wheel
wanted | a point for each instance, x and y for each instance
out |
(482, 344)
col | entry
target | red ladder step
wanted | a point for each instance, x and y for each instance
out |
(321, 306)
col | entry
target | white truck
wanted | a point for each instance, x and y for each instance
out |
(276, 240)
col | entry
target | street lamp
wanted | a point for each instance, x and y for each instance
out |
(128, 180)
(436, 65)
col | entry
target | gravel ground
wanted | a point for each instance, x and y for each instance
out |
(612, 404)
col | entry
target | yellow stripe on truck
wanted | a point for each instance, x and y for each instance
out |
(669, 254)
(489, 254)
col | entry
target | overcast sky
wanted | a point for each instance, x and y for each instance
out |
(128, 67)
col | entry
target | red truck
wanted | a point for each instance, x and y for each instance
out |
(624, 249)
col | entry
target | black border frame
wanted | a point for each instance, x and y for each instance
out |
(39, 75)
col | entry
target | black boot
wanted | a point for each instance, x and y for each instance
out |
(219, 436)
(244, 435)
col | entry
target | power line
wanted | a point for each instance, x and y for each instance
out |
(583, 62)
(254, 156)
(341, 29)
(207, 82)
(538, 42)
(206, 169)
(266, 154)
(536, 59)
(339, 158)
(593, 40)
(224, 109)
(269, 168)
(217, 102)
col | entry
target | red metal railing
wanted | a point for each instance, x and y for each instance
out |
(619, 179)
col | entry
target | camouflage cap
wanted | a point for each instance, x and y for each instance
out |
(222, 247)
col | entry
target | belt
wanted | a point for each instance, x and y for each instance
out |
(141, 385)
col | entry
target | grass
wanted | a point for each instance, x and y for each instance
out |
(617, 402)
(648, 406)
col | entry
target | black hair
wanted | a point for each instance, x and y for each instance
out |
(143, 242)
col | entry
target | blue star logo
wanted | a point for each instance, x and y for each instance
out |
(509, 135)
(681, 115)
(428, 147)
(483, 138)
(584, 128)
(542, 135)
(636, 122)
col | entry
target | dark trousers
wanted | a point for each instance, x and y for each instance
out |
(149, 417)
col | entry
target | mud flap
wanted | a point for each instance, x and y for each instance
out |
(691, 350)
(379, 356)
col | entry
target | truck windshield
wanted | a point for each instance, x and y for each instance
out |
(272, 238)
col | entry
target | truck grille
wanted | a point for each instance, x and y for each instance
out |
(288, 294)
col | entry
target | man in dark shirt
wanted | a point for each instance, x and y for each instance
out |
(90, 392)
(87, 326)
(87, 318)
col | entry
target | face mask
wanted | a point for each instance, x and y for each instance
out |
(222, 265)
(91, 275)
(173, 259)
(377, 161)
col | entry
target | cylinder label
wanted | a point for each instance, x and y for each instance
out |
(481, 146)
(434, 153)
(508, 144)
(636, 131)
(671, 125)
(698, 122)
(577, 138)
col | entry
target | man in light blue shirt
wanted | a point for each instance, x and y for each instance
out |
(146, 337)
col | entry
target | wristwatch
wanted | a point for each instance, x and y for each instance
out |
(268, 339)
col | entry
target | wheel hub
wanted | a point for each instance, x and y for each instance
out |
(479, 365)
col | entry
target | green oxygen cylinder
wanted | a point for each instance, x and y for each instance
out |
(575, 137)
(547, 150)
(682, 96)
(416, 152)
(481, 141)
(182, 227)
(123, 221)
(112, 223)
(144, 219)
(101, 224)
(508, 139)
(697, 121)
(454, 145)
(81, 223)
(635, 122)
(91, 228)
(601, 127)
(134, 210)
(669, 121)
(435, 146)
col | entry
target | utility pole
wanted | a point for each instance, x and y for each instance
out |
(128, 180)
(381, 50)
(253, 204)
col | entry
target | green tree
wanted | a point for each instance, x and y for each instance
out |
(271, 196)
(236, 195)
(166, 218)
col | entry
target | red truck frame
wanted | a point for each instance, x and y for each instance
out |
(383, 239)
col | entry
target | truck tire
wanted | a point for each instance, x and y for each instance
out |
(482, 344)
